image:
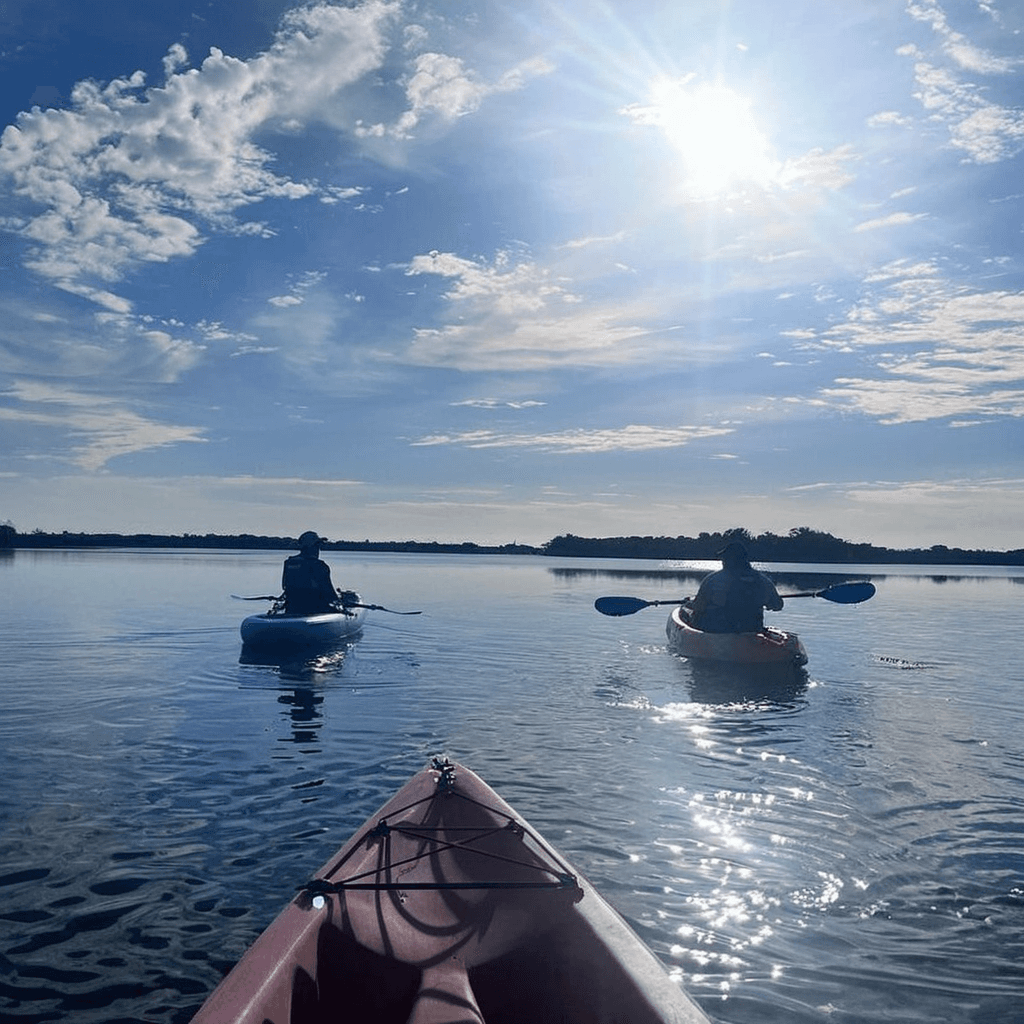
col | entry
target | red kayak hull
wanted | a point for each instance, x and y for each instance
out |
(446, 906)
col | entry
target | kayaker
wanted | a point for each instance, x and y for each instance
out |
(733, 599)
(306, 580)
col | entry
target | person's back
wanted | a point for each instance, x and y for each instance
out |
(306, 580)
(733, 599)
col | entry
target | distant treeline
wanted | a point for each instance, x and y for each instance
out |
(801, 544)
(10, 538)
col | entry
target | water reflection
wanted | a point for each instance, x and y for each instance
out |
(304, 665)
(714, 683)
(306, 718)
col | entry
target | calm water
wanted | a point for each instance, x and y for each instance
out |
(851, 850)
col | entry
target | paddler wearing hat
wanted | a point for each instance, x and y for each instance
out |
(733, 599)
(306, 580)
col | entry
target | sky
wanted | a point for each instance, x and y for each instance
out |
(499, 271)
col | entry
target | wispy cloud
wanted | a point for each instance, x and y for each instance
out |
(985, 131)
(112, 345)
(889, 221)
(297, 293)
(949, 350)
(105, 426)
(510, 315)
(498, 403)
(577, 442)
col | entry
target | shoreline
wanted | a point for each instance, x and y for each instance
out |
(797, 548)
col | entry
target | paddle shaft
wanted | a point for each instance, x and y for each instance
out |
(371, 607)
(839, 593)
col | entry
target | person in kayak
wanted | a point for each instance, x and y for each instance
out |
(733, 599)
(306, 580)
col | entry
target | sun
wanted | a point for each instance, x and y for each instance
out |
(711, 127)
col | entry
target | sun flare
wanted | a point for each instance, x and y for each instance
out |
(714, 132)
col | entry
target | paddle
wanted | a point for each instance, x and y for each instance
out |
(839, 593)
(371, 607)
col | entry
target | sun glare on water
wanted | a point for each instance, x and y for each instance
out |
(713, 130)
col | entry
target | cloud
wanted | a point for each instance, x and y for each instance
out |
(985, 131)
(964, 53)
(631, 438)
(497, 403)
(442, 85)
(125, 174)
(819, 168)
(510, 315)
(297, 295)
(891, 220)
(582, 243)
(114, 345)
(948, 350)
(889, 119)
(106, 427)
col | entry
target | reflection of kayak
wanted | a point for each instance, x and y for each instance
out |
(275, 629)
(445, 906)
(767, 647)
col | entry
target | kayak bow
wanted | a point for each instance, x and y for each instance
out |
(445, 906)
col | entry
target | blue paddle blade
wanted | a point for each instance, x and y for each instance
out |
(619, 605)
(848, 593)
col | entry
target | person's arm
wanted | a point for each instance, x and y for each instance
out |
(772, 598)
(698, 605)
(324, 582)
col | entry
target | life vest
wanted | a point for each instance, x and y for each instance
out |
(744, 605)
(741, 612)
(307, 586)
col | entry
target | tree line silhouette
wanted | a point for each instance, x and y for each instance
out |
(801, 544)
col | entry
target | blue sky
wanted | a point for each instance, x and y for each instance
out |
(500, 271)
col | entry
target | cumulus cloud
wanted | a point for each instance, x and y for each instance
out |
(125, 174)
(95, 428)
(633, 438)
(442, 85)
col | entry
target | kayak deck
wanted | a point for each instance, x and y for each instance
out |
(447, 907)
(766, 647)
(275, 628)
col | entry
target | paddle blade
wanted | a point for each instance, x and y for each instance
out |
(619, 605)
(380, 608)
(848, 593)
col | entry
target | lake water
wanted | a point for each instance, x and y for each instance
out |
(850, 849)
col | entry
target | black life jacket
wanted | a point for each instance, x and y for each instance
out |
(744, 607)
(743, 611)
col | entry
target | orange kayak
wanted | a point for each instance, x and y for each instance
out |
(766, 647)
(447, 907)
